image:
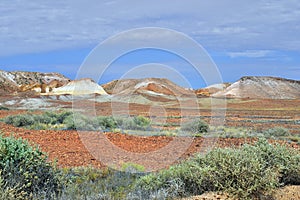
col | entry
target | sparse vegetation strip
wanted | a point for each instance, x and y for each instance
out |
(245, 173)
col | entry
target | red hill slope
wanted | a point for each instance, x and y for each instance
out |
(148, 87)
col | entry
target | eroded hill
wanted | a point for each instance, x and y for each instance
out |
(263, 87)
(19, 81)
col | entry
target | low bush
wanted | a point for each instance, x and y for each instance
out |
(132, 168)
(20, 120)
(245, 173)
(90, 183)
(3, 108)
(141, 122)
(26, 168)
(106, 123)
(195, 126)
(79, 122)
(32, 121)
(134, 123)
(276, 132)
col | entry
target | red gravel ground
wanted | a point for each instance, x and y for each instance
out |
(67, 148)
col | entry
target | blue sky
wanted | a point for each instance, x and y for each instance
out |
(259, 37)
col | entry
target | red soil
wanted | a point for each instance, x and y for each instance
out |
(68, 149)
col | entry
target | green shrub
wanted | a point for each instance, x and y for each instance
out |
(245, 173)
(39, 126)
(106, 123)
(125, 123)
(132, 168)
(90, 183)
(61, 116)
(33, 121)
(195, 126)
(26, 168)
(3, 108)
(52, 117)
(141, 122)
(276, 132)
(133, 123)
(77, 121)
(82, 122)
(20, 120)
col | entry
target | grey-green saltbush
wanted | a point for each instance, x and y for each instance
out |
(276, 132)
(247, 172)
(71, 121)
(195, 126)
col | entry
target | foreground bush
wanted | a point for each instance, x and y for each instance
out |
(25, 169)
(90, 183)
(7, 193)
(247, 172)
(244, 173)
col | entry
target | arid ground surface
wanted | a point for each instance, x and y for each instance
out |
(66, 146)
(67, 149)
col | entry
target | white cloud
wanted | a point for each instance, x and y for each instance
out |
(35, 26)
(250, 53)
(228, 30)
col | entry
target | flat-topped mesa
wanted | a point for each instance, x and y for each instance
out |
(262, 87)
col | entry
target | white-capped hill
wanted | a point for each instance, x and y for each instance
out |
(262, 87)
(79, 87)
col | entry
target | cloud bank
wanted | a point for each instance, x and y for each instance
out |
(235, 26)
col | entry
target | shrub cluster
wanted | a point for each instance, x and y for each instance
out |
(3, 108)
(47, 120)
(276, 132)
(71, 121)
(195, 126)
(90, 183)
(106, 123)
(25, 170)
(244, 173)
